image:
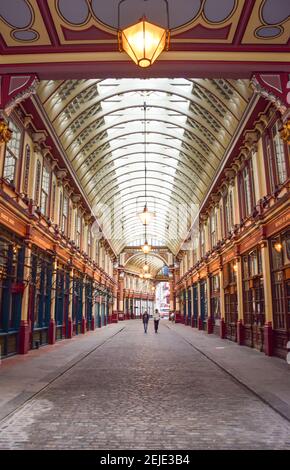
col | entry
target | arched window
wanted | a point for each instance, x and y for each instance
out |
(37, 182)
(26, 169)
(12, 154)
(53, 201)
(45, 190)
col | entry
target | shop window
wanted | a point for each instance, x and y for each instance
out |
(277, 152)
(41, 290)
(215, 298)
(11, 279)
(89, 301)
(77, 306)
(12, 154)
(280, 260)
(45, 187)
(203, 302)
(231, 300)
(62, 298)
(253, 297)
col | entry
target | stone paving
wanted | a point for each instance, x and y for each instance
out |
(138, 391)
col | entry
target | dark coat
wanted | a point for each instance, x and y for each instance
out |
(145, 317)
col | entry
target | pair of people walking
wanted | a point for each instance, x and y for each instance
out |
(156, 318)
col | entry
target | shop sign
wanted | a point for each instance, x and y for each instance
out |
(279, 224)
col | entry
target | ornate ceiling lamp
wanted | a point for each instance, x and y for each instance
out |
(143, 41)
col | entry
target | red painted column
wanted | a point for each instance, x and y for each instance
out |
(200, 324)
(268, 339)
(240, 333)
(115, 298)
(223, 329)
(209, 326)
(51, 331)
(121, 295)
(83, 326)
(24, 334)
(69, 333)
(69, 328)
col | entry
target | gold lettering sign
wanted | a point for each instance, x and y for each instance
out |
(7, 219)
(279, 223)
(250, 242)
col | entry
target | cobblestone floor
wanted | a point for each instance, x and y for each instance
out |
(142, 391)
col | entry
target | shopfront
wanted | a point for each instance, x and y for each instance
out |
(253, 299)
(62, 302)
(189, 306)
(231, 299)
(77, 306)
(195, 305)
(183, 303)
(89, 304)
(40, 296)
(11, 289)
(203, 305)
(215, 309)
(280, 278)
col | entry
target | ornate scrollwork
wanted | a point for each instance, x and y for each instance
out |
(285, 132)
(5, 133)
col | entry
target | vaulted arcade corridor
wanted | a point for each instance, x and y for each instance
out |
(144, 163)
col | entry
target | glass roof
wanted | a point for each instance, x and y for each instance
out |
(100, 124)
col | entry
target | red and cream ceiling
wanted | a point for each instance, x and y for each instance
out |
(78, 38)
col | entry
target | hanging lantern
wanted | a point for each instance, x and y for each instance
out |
(146, 267)
(146, 216)
(146, 248)
(143, 42)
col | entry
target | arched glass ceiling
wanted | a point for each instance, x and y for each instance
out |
(100, 124)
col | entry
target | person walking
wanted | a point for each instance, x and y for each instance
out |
(145, 318)
(156, 318)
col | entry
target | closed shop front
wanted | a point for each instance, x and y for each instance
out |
(40, 297)
(215, 303)
(11, 289)
(253, 299)
(280, 267)
(231, 300)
